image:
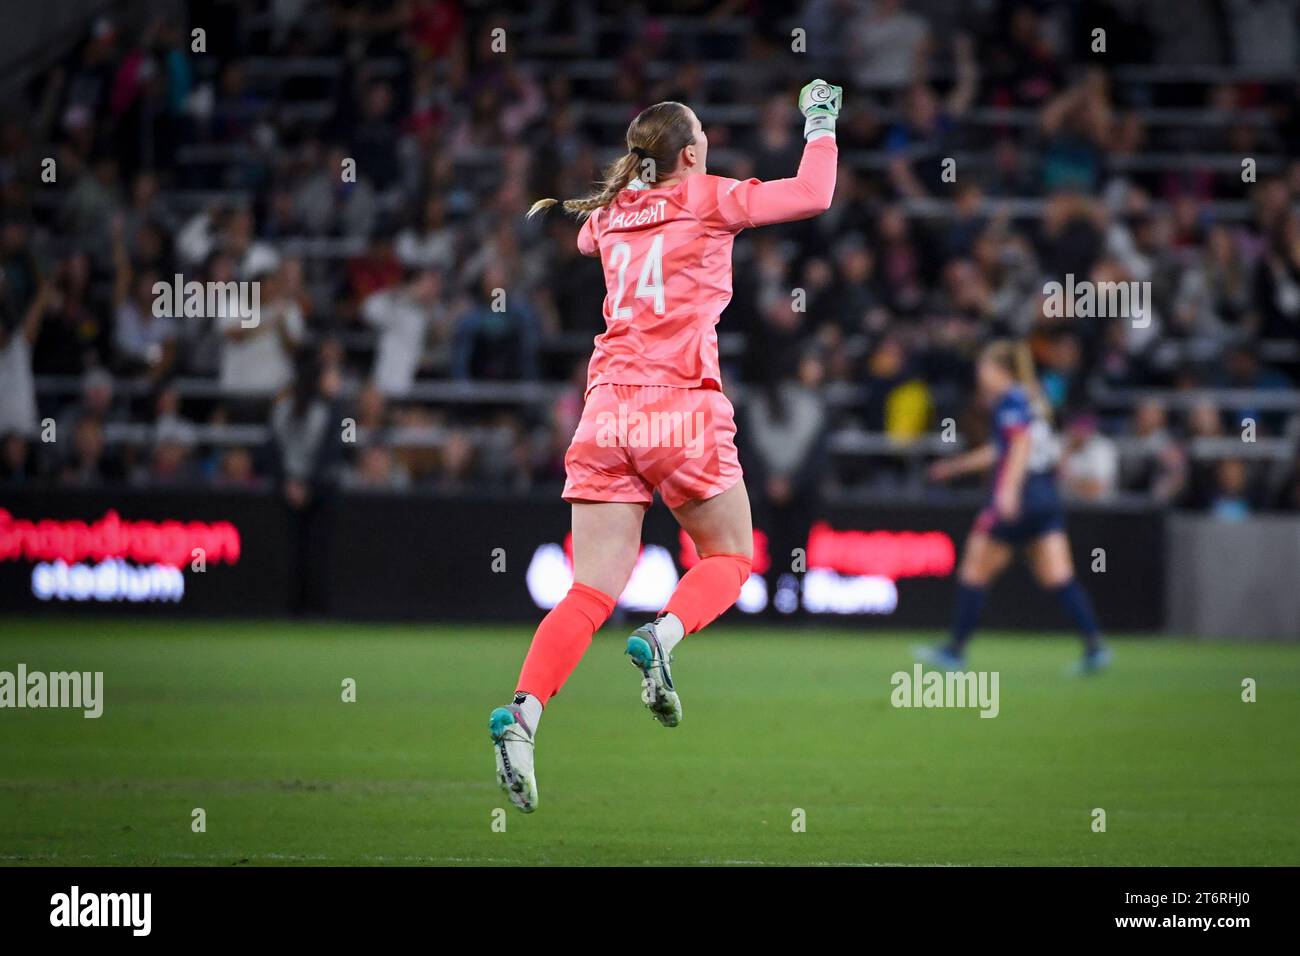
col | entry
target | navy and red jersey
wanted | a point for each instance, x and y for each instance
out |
(1014, 414)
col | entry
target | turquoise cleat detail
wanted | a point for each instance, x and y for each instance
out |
(512, 745)
(498, 721)
(657, 690)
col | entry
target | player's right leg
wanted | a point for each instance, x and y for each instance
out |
(722, 530)
(606, 540)
(984, 559)
(1053, 567)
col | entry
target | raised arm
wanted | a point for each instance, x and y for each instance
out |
(31, 327)
(753, 203)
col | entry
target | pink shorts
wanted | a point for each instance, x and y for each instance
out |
(634, 440)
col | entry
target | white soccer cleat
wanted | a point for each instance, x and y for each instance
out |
(657, 691)
(512, 742)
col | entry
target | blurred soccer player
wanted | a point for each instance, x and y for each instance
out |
(655, 417)
(1025, 508)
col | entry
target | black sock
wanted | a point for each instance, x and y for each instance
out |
(1075, 601)
(970, 602)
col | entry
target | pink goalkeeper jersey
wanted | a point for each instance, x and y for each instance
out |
(667, 259)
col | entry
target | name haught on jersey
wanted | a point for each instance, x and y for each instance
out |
(650, 214)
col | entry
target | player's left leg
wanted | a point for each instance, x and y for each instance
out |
(606, 540)
(1053, 567)
(695, 469)
(722, 529)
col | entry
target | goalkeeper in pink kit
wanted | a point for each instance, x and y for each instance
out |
(655, 417)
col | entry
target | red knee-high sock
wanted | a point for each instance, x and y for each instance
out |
(708, 589)
(561, 640)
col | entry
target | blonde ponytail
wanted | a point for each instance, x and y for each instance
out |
(617, 175)
(1024, 372)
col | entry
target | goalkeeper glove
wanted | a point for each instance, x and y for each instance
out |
(820, 103)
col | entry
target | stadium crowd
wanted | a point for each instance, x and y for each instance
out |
(412, 302)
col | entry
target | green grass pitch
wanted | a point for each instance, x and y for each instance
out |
(246, 721)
